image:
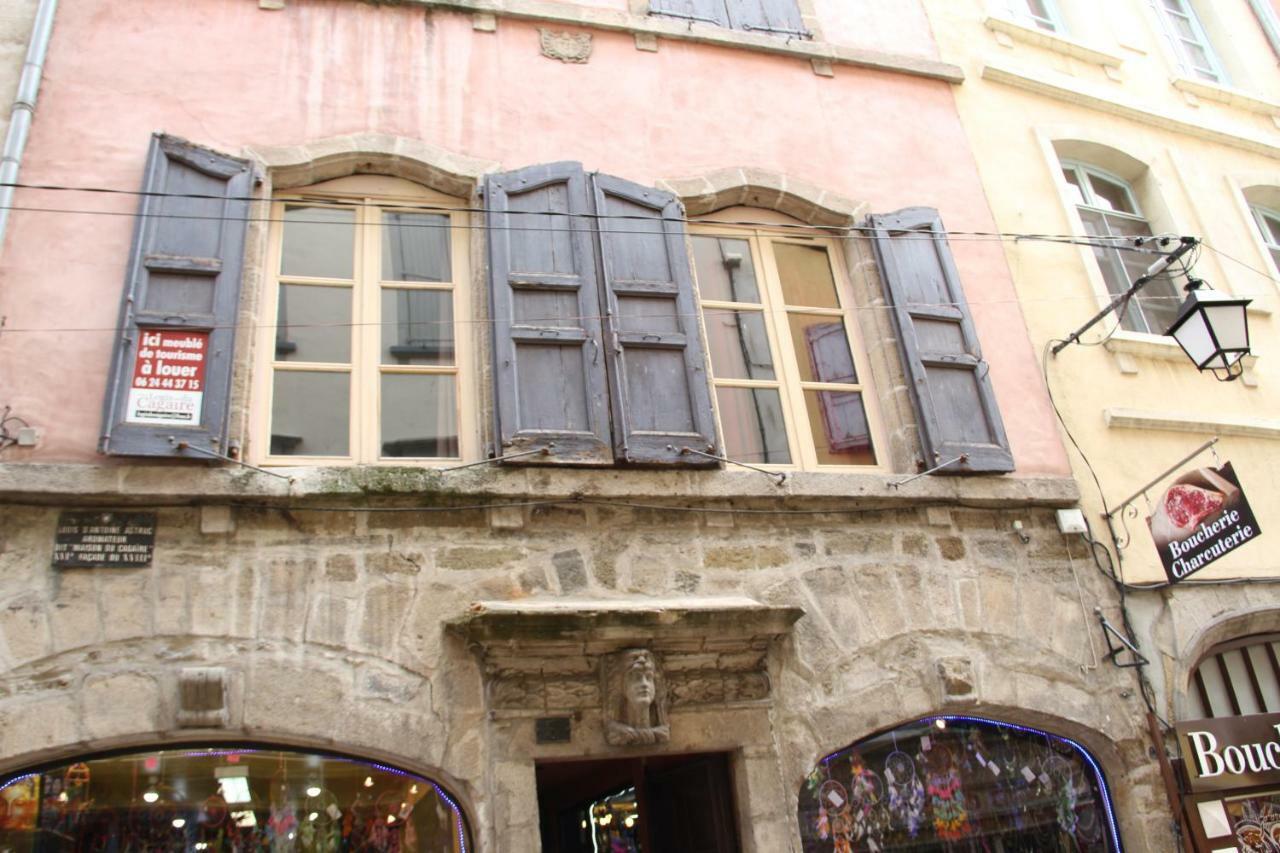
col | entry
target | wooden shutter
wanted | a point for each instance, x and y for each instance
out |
(656, 360)
(549, 363)
(955, 404)
(781, 17)
(709, 11)
(183, 276)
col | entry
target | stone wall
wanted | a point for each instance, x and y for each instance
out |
(331, 626)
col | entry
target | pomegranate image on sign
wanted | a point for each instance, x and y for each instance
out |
(1196, 497)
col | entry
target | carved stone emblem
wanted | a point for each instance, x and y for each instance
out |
(566, 47)
(635, 703)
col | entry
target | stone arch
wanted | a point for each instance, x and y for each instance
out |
(1228, 626)
(372, 153)
(721, 188)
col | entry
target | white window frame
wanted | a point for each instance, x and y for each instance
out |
(1215, 73)
(368, 196)
(1084, 171)
(1020, 10)
(788, 382)
(1269, 240)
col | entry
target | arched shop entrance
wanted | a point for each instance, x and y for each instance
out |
(957, 784)
(220, 799)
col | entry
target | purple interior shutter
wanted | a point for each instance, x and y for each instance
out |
(549, 364)
(655, 354)
(170, 377)
(955, 404)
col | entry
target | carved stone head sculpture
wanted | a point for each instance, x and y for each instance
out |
(635, 709)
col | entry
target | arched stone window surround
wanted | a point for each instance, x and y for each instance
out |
(810, 204)
(1238, 625)
(1112, 828)
(286, 167)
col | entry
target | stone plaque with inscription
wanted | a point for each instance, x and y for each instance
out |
(104, 539)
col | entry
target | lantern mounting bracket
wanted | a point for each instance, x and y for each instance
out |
(1185, 244)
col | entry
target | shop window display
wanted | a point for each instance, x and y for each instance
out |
(228, 800)
(957, 784)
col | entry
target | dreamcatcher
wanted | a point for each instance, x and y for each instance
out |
(1062, 786)
(906, 792)
(946, 795)
(835, 818)
(1254, 838)
(866, 794)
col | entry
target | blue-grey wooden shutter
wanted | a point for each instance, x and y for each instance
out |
(656, 359)
(709, 11)
(955, 404)
(184, 274)
(549, 364)
(780, 17)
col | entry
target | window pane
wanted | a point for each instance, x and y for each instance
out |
(805, 272)
(1271, 231)
(318, 242)
(419, 417)
(417, 326)
(822, 348)
(1275, 257)
(838, 422)
(1110, 195)
(1073, 181)
(415, 247)
(310, 414)
(752, 422)
(218, 799)
(1158, 301)
(313, 324)
(738, 345)
(724, 269)
(961, 785)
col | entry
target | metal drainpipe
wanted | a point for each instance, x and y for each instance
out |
(24, 108)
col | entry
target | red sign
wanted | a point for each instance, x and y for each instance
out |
(168, 377)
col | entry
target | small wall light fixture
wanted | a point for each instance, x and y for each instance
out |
(1211, 327)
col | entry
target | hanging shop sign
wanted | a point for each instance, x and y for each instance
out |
(168, 378)
(1231, 752)
(1201, 517)
(104, 539)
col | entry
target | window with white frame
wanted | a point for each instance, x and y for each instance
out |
(1108, 209)
(789, 381)
(1038, 13)
(1188, 40)
(365, 354)
(1269, 226)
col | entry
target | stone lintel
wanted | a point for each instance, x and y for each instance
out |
(569, 626)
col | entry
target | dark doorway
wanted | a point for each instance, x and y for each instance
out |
(656, 804)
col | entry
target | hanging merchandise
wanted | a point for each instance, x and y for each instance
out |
(906, 793)
(946, 794)
(866, 795)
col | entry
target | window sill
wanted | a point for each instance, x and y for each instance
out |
(1052, 41)
(570, 14)
(1126, 346)
(164, 484)
(1228, 95)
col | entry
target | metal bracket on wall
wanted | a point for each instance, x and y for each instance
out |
(897, 484)
(1126, 645)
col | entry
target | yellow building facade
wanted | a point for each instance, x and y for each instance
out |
(1111, 122)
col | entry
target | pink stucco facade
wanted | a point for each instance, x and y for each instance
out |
(231, 76)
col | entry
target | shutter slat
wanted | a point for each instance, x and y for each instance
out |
(184, 273)
(955, 403)
(549, 371)
(657, 362)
